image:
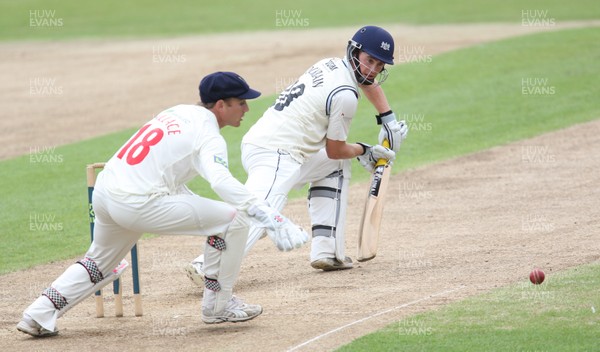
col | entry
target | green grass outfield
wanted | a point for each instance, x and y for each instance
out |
(458, 103)
(63, 19)
(561, 314)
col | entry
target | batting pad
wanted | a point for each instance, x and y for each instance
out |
(327, 207)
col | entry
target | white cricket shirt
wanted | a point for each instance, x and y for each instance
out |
(177, 145)
(320, 105)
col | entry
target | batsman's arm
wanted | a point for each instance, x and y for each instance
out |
(376, 96)
(341, 150)
(391, 129)
(342, 109)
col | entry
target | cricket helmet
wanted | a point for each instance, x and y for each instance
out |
(375, 41)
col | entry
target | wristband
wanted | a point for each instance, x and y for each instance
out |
(365, 147)
(383, 114)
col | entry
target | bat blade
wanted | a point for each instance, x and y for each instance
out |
(368, 234)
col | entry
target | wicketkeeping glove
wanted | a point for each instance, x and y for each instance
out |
(284, 233)
(373, 153)
(392, 130)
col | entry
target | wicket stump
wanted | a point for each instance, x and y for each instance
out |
(117, 290)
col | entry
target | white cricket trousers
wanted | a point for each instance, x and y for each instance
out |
(120, 223)
(273, 174)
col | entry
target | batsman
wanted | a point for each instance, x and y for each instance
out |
(302, 139)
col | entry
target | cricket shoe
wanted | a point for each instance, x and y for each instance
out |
(29, 326)
(235, 311)
(194, 271)
(331, 264)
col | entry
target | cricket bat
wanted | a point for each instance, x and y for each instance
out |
(368, 234)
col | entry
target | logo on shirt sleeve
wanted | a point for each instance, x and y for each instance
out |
(221, 161)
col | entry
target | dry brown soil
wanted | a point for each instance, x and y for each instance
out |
(451, 230)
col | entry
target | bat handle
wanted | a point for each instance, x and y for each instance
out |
(383, 161)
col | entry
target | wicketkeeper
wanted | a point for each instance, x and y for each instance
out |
(142, 190)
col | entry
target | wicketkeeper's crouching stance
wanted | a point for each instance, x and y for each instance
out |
(142, 190)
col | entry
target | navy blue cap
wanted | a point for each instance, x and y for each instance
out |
(223, 85)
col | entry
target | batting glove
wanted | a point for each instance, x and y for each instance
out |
(284, 233)
(392, 130)
(372, 154)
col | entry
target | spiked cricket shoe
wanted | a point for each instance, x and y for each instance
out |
(331, 264)
(29, 326)
(194, 272)
(235, 311)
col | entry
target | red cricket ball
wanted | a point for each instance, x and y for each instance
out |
(537, 276)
